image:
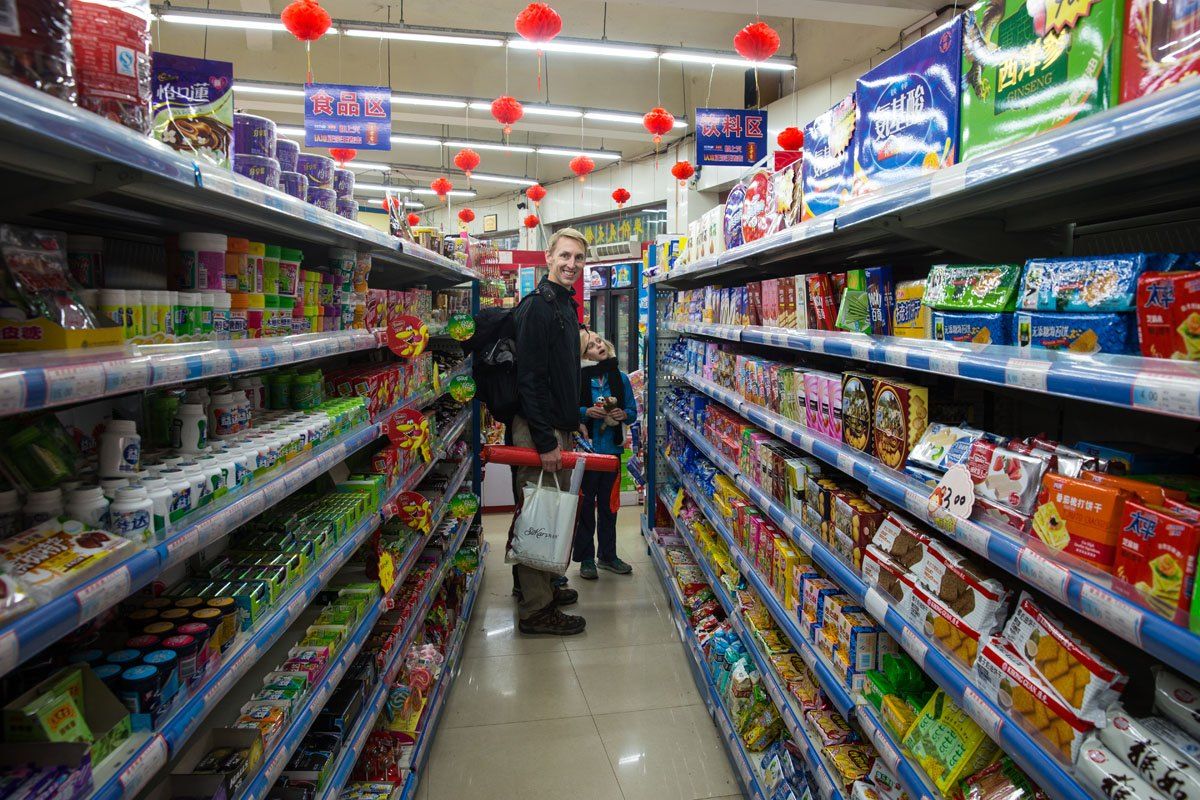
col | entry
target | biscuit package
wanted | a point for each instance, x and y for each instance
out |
(1157, 762)
(850, 762)
(972, 287)
(828, 165)
(947, 743)
(1161, 47)
(900, 415)
(1156, 555)
(1081, 518)
(943, 446)
(1168, 305)
(1178, 701)
(1086, 283)
(1005, 476)
(973, 327)
(910, 315)
(1076, 333)
(1004, 677)
(1082, 677)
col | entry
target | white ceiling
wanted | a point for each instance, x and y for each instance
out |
(829, 36)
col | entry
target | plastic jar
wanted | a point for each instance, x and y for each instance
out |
(167, 664)
(135, 313)
(286, 152)
(189, 430)
(206, 650)
(250, 280)
(10, 513)
(270, 284)
(253, 135)
(293, 183)
(41, 506)
(186, 648)
(280, 386)
(300, 323)
(110, 485)
(230, 618)
(307, 389)
(120, 449)
(112, 305)
(88, 506)
(270, 313)
(283, 316)
(181, 492)
(214, 474)
(202, 260)
(222, 313)
(224, 415)
(155, 303)
(237, 253)
(131, 515)
(204, 315)
(159, 492)
(201, 488)
(239, 304)
(138, 689)
(289, 270)
(253, 386)
(85, 259)
(228, 467)
(187, 310)
(243, 463)
(255, 313)
(362, 271)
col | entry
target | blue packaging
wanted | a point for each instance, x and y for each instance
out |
(881, 296)
(828, 165)
(1077, 332)
(908, 111)
(1087, 283)
(981, 328)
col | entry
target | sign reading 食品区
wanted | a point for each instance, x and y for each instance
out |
(730, 137)
(338, 115)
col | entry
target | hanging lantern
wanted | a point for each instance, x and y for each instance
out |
(538, 23)
(791, 139)
(582, 166)
(466, 216)
(659, 122)
(532, 221)
(466, 160)
(342, 154)
(758, 41)
(620, 196)
(441, 187)
(683, 170)
(413, 219)
(508, 111)
(306, 20)
(535, 194)
(390, 203)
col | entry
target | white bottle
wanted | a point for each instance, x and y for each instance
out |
(172, 317)
(213, 473)
(225, 422)
(135, 312)
(41, 506)
(131, 516)
(112, 305)
(10, 512)
(109, 486)
(159, 492)
(169, 461)
(181, 491)
(225, 462)
(189, 429)
(244, 458)
(201, 488)
(120, 449)
(89, 506)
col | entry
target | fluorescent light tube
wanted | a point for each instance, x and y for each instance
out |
(218, 21)
(711, 59)
(585, 48)
(416, 36)
(503, 148)
(559, 151)
(436, 102)
(480, 176)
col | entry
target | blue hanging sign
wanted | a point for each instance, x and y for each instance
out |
(339, 115)
(730, 137)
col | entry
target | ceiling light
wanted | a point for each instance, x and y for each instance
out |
(403, 190)
(480, 176)
(630, 119)
(407, 203)
(585, 48)
(431, 38)
(375, 165)
(504, 148)
(452, 193)
(419, 140)
(559, 151)
(712, 59)
(437, 102)
(550, 111)
(281, 91)
(218, 21)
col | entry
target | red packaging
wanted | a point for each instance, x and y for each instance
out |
(1161, 45)
(754, 303)
(111, 44)
(822, 311)
(1005, 476)
(1157, 557)
(35, 47)
(1168, 306)
(769, 302)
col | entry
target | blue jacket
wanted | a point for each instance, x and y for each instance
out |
(608, 439)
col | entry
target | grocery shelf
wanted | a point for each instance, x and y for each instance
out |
(63, 162)
(1157, 385)
(1132, 161)
(1097, 596)
(1041, 766)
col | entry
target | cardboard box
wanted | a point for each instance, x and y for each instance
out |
(1157, 557)
(828, 165)
(900, 415)
(1161, 46)
(106, 716)
(1168, 312)
(207, 741)
(1081, 518)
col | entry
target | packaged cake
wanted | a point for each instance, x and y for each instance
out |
(828, 165)
(1028, 69)
(972, 287)
(1156, 555)
(192, 106)
(1076, 333)
(1086, 283)
(973, 328)
(1005, 476)
(1161, 46)
(900, 416)
(910, 315)
(943, 446)
(1168, 314)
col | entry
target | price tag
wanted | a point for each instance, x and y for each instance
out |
(1043, 573)
(64, 384)
(249, 358)
(860, 351)
(891, 756)
(1112, 613)
(896, 356)
(182, 546)
(1026, 373)
(218, 362)
(982, 712)
(954, 495)
(147, 764)
(102, 593)
(948, 181)
(131, 375)
(914, 645)
(945, 363)
(12, 392)
(876, 604)
(824, 784)
(845, 462)
(170, 369)
(10, 650)
(1167, 395)
(916, 503)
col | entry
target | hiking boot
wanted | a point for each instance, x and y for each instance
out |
(616, 565)
(587, 570)
(565, 597)
(552, 622)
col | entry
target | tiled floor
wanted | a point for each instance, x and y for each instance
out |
(610, 714)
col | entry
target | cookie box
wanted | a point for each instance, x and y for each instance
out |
(1083, 678)
(908, 109)
(972, 287)
(1076, 333)
(1080, 518)
(822, 310)
(1168, 315)
(815, 593)
(857, 393)
(1087, 283)
(798, 470)
(1028, 69)
(900, 415)
(857, 641)
(973, 328)
(1160, 47)
(1156, 555)
(910, 315)
(1005, 476)
(1006, 680)
(828, 165)
(836, 608)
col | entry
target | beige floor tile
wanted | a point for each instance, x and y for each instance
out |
(616, 679)
(667, 754)
(514, 688)
(493, 631)
(545, 759)
(622, 610)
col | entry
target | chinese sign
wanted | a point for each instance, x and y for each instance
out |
(336, 115)
(526, 282)
(730, 137)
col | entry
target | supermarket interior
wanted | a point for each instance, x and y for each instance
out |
(821, 420)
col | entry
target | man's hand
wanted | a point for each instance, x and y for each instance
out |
(617, 415)
(552, 461)
(596, 412)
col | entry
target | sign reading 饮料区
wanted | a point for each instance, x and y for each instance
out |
(340, 115)
(730, 137)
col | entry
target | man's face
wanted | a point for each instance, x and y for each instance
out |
(566, 262)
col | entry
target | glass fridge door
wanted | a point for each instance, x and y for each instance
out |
(625, 329)
(600, 305)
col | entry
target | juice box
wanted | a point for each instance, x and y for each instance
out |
(1161, 45)
(1031, 67)
(908, 109)
(828, 164)
(1157, 557)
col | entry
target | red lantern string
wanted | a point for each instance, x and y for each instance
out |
(466, 216)
(758, 41)
(582, 166)
(508, 111)
(621, 196)
(535, 194)
(659, 122)
(307, 21)
(466, 160)
(791, 139)
(532, 221)
(413, 219)
(441, 187)
(538, 22)
(683, 170)
(342, 154)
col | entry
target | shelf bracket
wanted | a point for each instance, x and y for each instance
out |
(986, 240)
(105, 177)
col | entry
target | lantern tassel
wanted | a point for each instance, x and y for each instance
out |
(308, 61)
(539, 59)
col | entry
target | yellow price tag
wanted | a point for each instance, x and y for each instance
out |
(678, 506)
(387, 571)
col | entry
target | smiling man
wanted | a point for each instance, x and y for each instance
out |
(547, 339)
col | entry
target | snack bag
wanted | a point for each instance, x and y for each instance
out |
(1157, 762)
(972, 287)
(37, 279)
(1005, 476)
(947, 743)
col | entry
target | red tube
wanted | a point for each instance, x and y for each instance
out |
(528, 457)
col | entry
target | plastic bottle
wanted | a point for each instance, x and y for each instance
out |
(214, 475)
(10, 512)
(201, 487)
(252, 279)
(225, 422)
(237, 254)
(156, 305)
(205, 314)
(187, 312)
(135, 313)
(343, 263)
(270, 284)
(202, 260)
(255, 313)
(289, 270)
(120, 449)
(131, 515)
(270, 315)
(89, 506)
(109, 486)
(181, 491)
(189, 430)
(112, 305)
(174, 311)
(239, 303)
(222, 308)
(158, 489)
(41, 506)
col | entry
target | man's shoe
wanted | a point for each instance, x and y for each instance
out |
(616, 565)
(560, 581)
(552, 622)
(587, 570)
(565, 597)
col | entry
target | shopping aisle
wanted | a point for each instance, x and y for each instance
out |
(611, 713)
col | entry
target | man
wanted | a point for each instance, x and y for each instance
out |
(548, 347)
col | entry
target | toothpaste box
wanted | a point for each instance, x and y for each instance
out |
(977, 328)
(828, 165)
(1076, 333)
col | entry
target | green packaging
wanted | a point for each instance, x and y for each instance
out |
(1031, 67)
(972, 287)
(854, 313)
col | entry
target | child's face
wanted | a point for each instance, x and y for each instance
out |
(594, 349)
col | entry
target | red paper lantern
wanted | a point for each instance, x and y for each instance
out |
(791, 139)
(535, 194)
(758, 41)
(342, 154)
(659, 122)
(582, 166)
(538, 22)
(413, 219)
(683, 170)
(306, 20)
(508, 111)
(466, 216)
(441, 187)
(466, 160)
(621, 196)
(532, 221)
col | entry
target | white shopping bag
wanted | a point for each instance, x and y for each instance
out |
(545, 528)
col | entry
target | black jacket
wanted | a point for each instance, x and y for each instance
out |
(548, 363)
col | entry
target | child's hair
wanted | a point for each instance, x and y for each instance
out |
(584, 336)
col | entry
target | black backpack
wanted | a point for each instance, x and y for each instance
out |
(494, 348)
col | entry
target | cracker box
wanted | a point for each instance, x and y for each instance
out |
(1157, 557)
(1076, 333)
(828, 165)
(1169, 314)
(910, 316)
(973, 328)
(1161, 46)
(857, 393)
(908, 111)
(1081, 518)
(900, 413)
(1029, 68)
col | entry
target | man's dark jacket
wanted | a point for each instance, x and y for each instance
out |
(548, 363)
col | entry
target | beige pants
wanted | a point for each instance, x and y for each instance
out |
(537, 586)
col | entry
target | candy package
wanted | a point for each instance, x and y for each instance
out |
(54, 556)
(943, 446)
(947, 743)
(971, 287)
(38, 281)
